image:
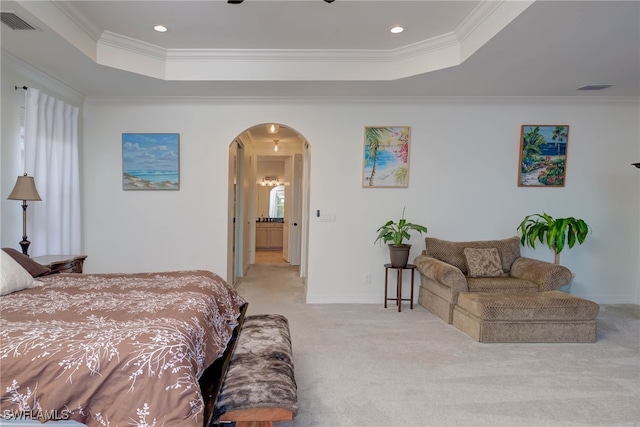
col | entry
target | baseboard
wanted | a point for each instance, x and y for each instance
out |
(344, 299)
(369, 299)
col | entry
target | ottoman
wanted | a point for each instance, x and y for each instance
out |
(551, 316)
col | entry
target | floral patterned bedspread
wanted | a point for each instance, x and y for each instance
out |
(113, 349)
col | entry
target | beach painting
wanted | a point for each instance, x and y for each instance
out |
(386, 157)
(543, 155)
(150, 161)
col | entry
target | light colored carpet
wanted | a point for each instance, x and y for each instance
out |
(270, 257)
(363, 365)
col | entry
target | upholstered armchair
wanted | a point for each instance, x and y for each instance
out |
(447, 268)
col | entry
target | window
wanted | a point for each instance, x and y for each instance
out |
(276, 202)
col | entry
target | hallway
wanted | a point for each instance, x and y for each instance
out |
(270, 257)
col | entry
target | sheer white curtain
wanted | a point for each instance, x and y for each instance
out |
(51, 157)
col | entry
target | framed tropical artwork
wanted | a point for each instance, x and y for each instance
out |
(543, 155)
(386, 157)
(150, 161)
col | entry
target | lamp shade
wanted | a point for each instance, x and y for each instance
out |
(25, 189)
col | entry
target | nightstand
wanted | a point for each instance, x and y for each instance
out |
(62, 263)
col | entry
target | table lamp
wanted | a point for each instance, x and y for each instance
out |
(25, 189)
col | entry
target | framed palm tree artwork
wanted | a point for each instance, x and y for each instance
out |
(386, 157)
(543, 155)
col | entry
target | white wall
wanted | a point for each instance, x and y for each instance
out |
(462, 185)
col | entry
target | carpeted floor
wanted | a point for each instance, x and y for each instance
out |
(270, 257)
(363, 365)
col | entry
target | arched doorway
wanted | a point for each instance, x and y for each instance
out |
(291, 150)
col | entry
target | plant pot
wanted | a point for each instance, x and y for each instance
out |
(399, 254)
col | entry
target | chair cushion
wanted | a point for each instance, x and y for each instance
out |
(483, 262)
(552, 305)
(505, 284)
(452, 252)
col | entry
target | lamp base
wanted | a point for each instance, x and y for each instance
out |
(25, 245)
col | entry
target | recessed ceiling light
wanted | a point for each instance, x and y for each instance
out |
(396, 30)
(160, 28)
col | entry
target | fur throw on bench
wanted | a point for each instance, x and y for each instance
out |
(260, 373)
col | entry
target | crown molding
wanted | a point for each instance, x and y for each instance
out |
(129, 54)
(86, 25)
(487, 20)
(125, 53)
(43, 80)
(405, 100)
(64, 22)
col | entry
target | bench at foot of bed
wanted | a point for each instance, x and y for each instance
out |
(259, 387)
(257, 417)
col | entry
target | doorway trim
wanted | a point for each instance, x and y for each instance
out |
(248, 209)
(236, 210)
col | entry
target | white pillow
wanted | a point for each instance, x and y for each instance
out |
(13, 277)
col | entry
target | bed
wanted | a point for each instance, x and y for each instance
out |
(114, 349)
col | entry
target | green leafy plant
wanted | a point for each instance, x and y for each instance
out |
(556, 233)
(398, 231)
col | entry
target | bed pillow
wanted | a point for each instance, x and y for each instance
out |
(483, 262)
(27, 263)
(13, 277)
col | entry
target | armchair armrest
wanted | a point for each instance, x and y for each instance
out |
(441, 272)
(548, 276)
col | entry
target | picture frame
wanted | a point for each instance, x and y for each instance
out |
(385, 158)
(150, 161)
(543, 155)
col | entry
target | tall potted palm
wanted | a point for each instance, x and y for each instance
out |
(396, 232)
(557, 233)
(376, 139)
(558, 135)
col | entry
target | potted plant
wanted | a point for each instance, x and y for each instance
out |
(556, 232)
(397, 232)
